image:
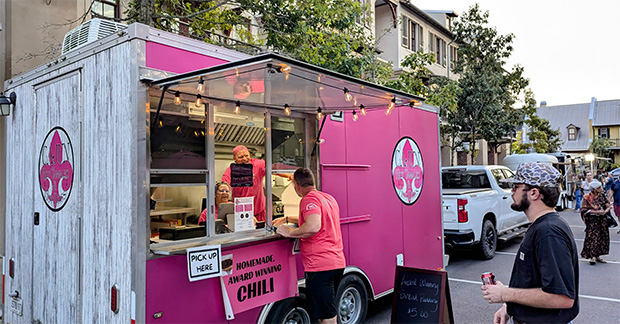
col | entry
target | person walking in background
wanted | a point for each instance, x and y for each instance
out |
(578, 194)
(593, 210)
(544, 284)
(585, 184)
(321, 244)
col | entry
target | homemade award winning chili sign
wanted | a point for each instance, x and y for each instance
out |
(421, 296)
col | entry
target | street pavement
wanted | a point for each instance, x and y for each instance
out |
(599, 287)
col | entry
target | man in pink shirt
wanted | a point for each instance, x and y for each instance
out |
(321, 244)
(241, 155)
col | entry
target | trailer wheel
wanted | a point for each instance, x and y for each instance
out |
(488, 240)
(292, 310)
(352, 298)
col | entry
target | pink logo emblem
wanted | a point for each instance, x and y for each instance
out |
(407, 170)
(56, 169)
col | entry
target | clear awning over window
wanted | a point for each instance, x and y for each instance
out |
(271, 81)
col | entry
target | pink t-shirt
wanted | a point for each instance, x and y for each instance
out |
(256, 190)
(323, 251)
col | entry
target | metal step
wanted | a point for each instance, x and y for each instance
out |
(511, 234)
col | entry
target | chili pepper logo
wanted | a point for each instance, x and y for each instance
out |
(407, 170)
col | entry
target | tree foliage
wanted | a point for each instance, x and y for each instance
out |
(600, 147)
(331, 34)
(542, 137)
(489, 92)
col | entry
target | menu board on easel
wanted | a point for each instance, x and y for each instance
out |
(421, 296)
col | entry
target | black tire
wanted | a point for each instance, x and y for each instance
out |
(292, 310)
(351, 300)
(488, 240)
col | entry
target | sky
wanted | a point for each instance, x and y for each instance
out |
(570, 49)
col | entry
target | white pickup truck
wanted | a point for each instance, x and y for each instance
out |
(476, 208)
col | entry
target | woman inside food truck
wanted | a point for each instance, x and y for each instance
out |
(222, 195)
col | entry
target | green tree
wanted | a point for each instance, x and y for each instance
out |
(542, 137)
(489, 92)
(331, 34)
(600, 147)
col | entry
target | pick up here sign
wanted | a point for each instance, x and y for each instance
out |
(203, 262)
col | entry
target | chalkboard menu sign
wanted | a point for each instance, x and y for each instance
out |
(241, 175)
(421, 296)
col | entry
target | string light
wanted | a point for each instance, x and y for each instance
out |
(363, 110)
(355, 116)
(354, 101)
(198, 101)
(286, 68)
(237, 107)
(414, 103)
(201, 85)
(390, 106)
(178, 130)
(161, 123)
(177, 98)
(319, 114)
(287, 109)
(347, 95)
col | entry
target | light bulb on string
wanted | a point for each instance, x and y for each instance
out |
(319, 114)
(177, 98)
(178, 129)
(363, 110)
(161, 123)
(237, 107)
(414, 103)
(347, 95)
(354, 101)
(201, 85)
(355, 117)
(287, 109)
(198, 101)
(390, 106)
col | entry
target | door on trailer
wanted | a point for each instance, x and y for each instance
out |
(56, 242)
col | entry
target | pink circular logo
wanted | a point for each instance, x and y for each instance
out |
(56, 168)
(407, 170)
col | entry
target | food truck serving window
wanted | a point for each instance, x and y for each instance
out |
(246, 192)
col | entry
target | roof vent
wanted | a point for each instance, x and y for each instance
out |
(88, 32)
(543, 103)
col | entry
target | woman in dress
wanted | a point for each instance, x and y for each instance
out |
(593, 209)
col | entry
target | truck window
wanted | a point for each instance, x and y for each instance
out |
(463, 179)
(499, 175)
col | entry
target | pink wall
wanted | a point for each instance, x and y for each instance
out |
(176, 60)
(388, 227)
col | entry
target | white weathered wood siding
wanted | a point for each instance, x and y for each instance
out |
(80, 252)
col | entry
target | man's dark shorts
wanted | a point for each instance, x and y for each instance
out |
(321, 287)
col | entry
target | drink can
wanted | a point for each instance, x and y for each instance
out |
(488, 278)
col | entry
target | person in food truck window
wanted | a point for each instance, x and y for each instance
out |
(246, 178)
(321, 244)
(222, 195)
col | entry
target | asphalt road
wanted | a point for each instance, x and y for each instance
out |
(599, 287)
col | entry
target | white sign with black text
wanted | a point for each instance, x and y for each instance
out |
(244, 214)
(203, 262)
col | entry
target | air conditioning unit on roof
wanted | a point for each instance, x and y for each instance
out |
(88, 32)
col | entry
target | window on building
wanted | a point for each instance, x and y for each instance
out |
(106, 8)
(363, 19)
(438, 47)
(572, 134)
(603, 132)
(412, 34)
(453, 56)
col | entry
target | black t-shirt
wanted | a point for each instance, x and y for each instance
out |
(547, 259)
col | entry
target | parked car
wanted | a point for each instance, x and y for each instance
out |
(476, 208)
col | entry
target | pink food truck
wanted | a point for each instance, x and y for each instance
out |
(113, 153)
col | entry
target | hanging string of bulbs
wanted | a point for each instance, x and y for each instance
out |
(286, 69)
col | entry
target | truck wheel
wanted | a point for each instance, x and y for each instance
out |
(488, 240)
(352, 299)
(289, 311)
